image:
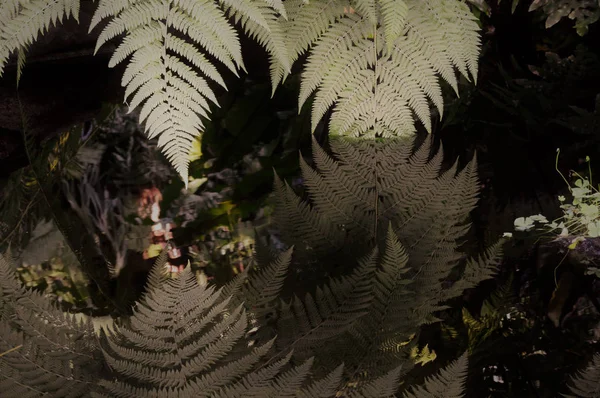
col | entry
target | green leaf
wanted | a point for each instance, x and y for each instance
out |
(523, 223)
(593, 229)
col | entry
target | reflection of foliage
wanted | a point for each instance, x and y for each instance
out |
(22, 203)
(60, 277)
(57, 356)
(448, 384)
(395, 210)
(222, 253)
(34, 195)
(250, 135)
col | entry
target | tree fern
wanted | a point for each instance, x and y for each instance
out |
(376, 61)
(163, 39)
(21, 21)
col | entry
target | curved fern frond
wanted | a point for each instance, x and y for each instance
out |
(264, 286)
(21, 21)
(304, 326)
(391, 318)
(260, 22)
(449, 383)
(377, 61)
(168, 75)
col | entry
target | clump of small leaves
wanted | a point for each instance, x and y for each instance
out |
(579, 226)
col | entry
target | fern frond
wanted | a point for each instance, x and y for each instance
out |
(21, 21)
(380, 192)
(303, 326)
(327, 386)
(587, 383)
(176, 340)
(296, 220)
(163, 41)
(307, 21)
(449, 383)
(58, 355)
(278, 6)
(479, 269)
(261, 23)
(264, 287)
(382, 387)
(394, 14)
(378, 65)
(390, 319)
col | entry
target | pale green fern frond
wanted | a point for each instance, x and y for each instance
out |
(21, 21)
(377, 61)
(394, 14)
(449, 383)
(169, 72)
(316, 17)
(278, 6)
(260, 22)
(367, 8)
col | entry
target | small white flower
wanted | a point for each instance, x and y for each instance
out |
(507, 235)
